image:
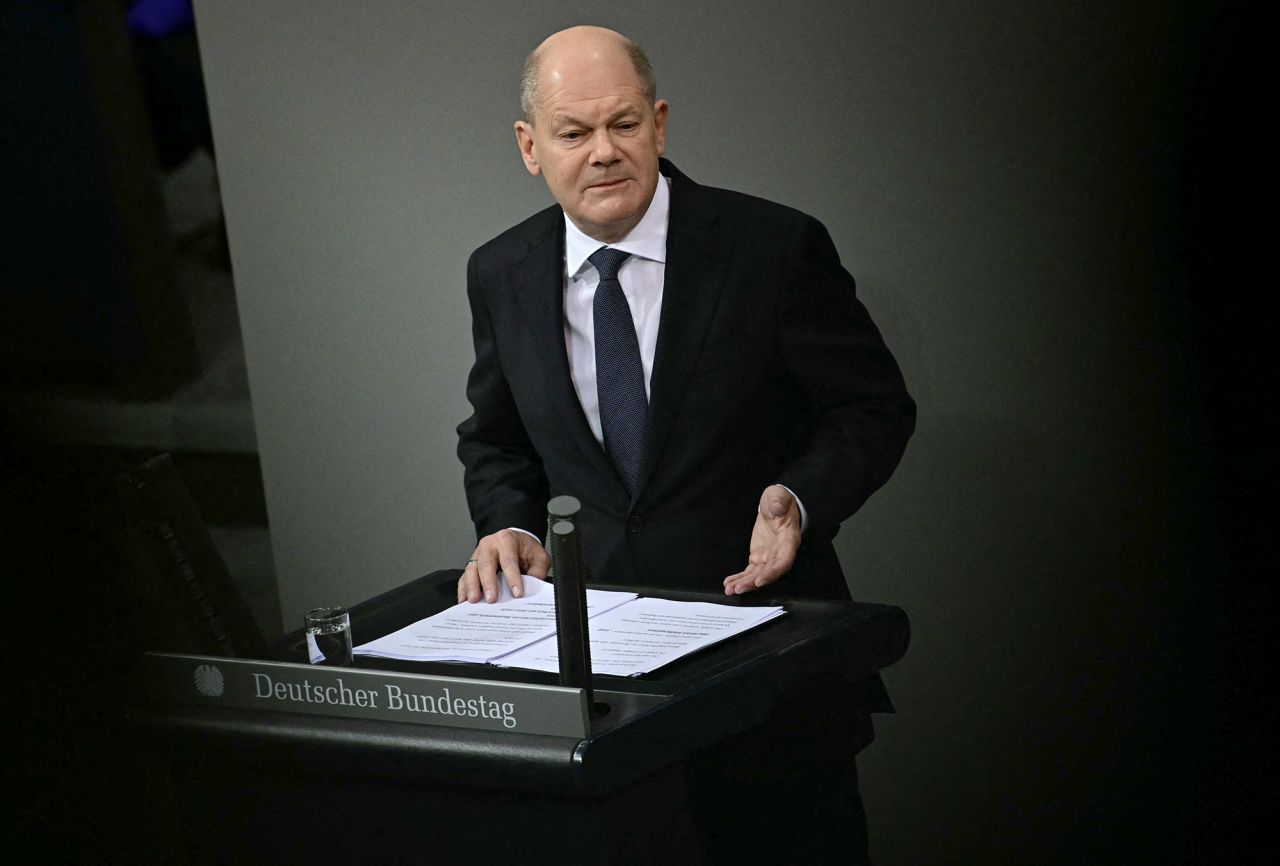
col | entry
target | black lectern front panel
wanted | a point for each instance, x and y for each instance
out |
(609, 791)
(650, 721)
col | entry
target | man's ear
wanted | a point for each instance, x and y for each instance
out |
(660, 124)
(524, 140)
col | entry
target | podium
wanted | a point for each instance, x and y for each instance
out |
(266, 779)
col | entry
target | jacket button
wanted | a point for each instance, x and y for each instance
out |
(634, 523)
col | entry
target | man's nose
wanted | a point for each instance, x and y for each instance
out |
(603, 152)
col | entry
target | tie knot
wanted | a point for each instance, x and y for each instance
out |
(607, 260)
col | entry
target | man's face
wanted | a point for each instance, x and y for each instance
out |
(595, 139)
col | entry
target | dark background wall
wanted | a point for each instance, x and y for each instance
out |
(1055, 213)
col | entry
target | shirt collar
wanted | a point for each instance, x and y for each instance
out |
(648, 239)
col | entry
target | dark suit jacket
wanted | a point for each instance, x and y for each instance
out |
(767, 370)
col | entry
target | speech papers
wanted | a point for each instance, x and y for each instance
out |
(647, 633)
(630, 636)
(485, 632)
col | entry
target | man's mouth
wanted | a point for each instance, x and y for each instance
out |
(608, 184)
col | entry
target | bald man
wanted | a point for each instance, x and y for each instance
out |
(774, 408)
(771, 408)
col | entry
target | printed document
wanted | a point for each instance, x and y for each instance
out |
(629, 635)
(643, 635)
(484, 632)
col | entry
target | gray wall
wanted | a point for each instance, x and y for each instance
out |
(998, 176)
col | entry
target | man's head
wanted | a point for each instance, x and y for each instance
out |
(592, 128)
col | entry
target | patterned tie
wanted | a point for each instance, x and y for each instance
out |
(624, 408)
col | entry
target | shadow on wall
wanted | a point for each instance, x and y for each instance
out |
(1045, 691)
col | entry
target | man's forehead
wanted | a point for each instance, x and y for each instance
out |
(589, 74)
(579, 96)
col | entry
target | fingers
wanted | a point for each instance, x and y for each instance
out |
(538, 562)
(509, 560)
(469, 583)
(742, 582)
(759, 574)
(479, 580)
(495, 552)
(503, 556)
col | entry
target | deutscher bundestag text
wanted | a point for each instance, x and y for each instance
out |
(396, 698)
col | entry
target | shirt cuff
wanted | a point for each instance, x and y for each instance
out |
(804, 515)
(539, 540)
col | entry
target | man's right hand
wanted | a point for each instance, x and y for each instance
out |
(509, 551)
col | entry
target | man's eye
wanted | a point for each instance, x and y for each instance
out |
(570, 136)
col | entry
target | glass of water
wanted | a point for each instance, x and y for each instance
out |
(329, 636)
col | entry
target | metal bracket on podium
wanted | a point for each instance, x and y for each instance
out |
(218, 682)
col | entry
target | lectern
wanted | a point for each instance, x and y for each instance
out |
(275, 761)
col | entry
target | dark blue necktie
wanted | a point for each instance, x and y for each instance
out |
(624, 408)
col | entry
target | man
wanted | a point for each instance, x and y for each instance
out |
(691, 363)
(762, 370)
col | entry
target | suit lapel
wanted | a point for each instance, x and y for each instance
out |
(697, 259)
(538, 282)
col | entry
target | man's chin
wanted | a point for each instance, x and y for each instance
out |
(605, 229)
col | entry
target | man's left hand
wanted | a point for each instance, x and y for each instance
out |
(774, 542)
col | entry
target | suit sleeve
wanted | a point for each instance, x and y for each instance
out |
(861, 415)
(502, 473)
